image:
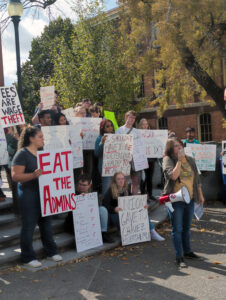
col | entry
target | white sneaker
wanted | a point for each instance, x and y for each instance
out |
(155, 236)
(34, 264)
(56, 257)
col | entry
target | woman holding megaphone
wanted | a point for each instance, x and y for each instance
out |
(181, 173)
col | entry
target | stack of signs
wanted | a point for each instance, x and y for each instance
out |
(90, 130)
(11, 113)
(65, 136)
(155, 141)
(87, 222)
(224, 156)
(56, 184)
(3, 148)
(47, 96)
(118, 149)
(134, 222)
(204, 155)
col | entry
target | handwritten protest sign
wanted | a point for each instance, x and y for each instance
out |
(224, 156)
(47, 96)
(3, 148)
(90, 130)
(118, 149)
(69, 112)
(204, 155)
(56, 184)
(134, 223)
(110, 115)
(139, 154)
(65, 136)
(87, 222)
(155, 141)
(11, 113)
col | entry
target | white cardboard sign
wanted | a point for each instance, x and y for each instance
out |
(86, 220)
(3, 148)
(155, 141)
(69, 112)
(90, 130)
(139, 153)
(118, 149)
(11, 113)
(47, 96)
(224, 156)
(133, 218)
(56, 184)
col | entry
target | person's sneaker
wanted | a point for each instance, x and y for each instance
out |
(155, 236)
(191, 255)
(34, 264)
(56, 257)
(153, 198)
(107, 238)
(180, 262)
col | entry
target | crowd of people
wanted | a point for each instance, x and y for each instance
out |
(178, 170)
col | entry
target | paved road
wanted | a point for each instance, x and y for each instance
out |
(145, 271)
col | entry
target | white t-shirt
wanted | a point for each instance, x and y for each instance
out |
(124, 130)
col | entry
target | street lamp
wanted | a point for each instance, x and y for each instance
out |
(15, 11)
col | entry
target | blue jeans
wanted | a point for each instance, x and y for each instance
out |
(105, 184)
(30, 209)
(181, 220)
(103, 218)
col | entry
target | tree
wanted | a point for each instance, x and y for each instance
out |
(95, 65)
(183, 43)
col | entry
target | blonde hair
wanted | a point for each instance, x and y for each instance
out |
(114, 188)
(140, 123)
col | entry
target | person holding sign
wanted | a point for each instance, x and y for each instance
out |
(60, 119)
(44, 118)
(106, 127)
(190, 133)
(26, 173)
(180, 170)
(119, 188)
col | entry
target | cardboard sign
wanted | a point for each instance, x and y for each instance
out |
(118, 149)
(86, 220)
(110, 115)
(90, 130)
(155, 141)
(47, 96)
(65, 136)
(204, 155)
(69, 112)
(56, 184)
(11, 113)
(3, 148)
(224, 156)
(139, 154)
(134, 223)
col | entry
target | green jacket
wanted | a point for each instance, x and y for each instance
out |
(168, 165)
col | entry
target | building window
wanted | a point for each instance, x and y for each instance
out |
(205, 127)
(163, 123)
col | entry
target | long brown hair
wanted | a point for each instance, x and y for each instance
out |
(169, 148)
(114, 188)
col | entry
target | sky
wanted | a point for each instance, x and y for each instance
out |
(29, 28)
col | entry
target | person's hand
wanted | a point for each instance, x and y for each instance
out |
(181, 154)
(117, 209)
(37, 173)
(202, 200)
(16, 136)
(146, 206)
(81, 134)
(83, 194)
(54, 108)
(103, 139)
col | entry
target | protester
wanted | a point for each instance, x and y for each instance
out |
(106, 127)
(53, 110)
(95, 111)
(84, 187)
(146, 184)
(190, 133)
(119, 188)
(60, 119)
(127, 128)
(25, 171)
(180, 170)
(86, 103)
(223, 165)
(44, 118)
(80, 112)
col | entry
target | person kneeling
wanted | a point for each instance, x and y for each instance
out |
(84, 187)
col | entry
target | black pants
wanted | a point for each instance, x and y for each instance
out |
(146, 186)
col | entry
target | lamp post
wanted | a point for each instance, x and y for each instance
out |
(15, 11)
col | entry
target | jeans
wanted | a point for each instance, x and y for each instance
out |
(30, 210)
(181, 220)
(151, 225)
(105, 184)
(114, 219)
(103, 218)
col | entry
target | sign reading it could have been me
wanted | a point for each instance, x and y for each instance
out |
(133, 218)
(118, 149)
